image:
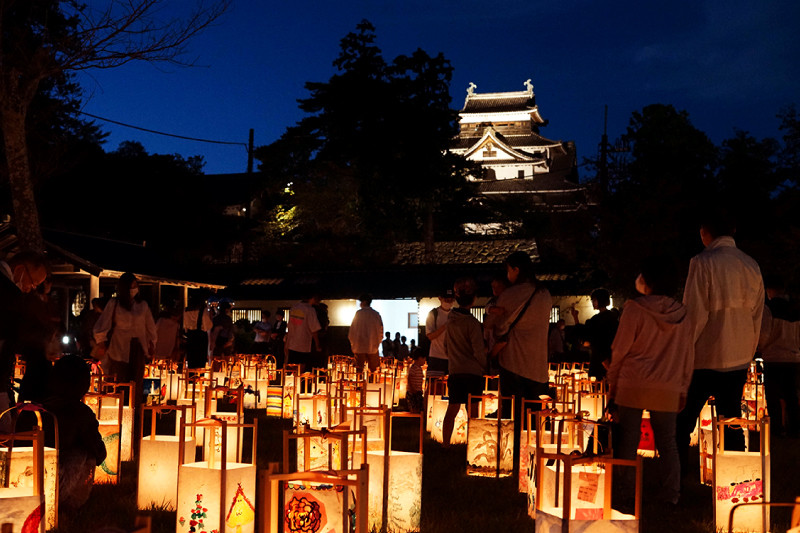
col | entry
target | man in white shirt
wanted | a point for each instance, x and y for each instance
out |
(303, 331)
(365, 334)
(724, 297)
(435, 328)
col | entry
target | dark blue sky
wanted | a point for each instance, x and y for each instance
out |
(730, 64)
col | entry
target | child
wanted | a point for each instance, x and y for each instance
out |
(466, 354)
(416, 382)
(80, 445)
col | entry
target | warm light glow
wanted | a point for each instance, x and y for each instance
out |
(158, 470)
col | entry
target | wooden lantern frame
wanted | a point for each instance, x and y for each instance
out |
(119, 404)
(270, 486)
(36, 437)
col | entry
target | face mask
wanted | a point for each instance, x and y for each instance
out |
(641, 288)
(134, 292)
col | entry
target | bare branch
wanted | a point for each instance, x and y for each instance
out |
(133, 30)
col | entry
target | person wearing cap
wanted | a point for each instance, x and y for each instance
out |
(435, 328)
(365, 334)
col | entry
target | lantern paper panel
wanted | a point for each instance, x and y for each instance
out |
(528, 457)
(288, 398)
(315, 507)
(200, 497)
(528, 453)
(108, 470)
(21, 473)
(739, 479)
(482, 447)
(459, 428)
(404, 494)
(431, 402)
(274, 400)
(319, 450)
(256, 393)
(21, 509)
(110, 413)
(234, 438)
(548, 520)
(704, 423)
(587, 491)
(158, 470)
(312, 410)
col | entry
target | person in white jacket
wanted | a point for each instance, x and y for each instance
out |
(366, 332)
(651, 367)
(724, 296)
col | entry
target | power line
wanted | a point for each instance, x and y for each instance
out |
(118, 123)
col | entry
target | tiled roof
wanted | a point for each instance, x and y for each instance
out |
(532, 139)
(463, 252)
(499, 103)
(546, 183)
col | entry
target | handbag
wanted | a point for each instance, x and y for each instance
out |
(502, 340)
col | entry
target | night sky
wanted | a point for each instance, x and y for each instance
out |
(731, 64)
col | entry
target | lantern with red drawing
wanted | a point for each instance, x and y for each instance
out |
(741, 477)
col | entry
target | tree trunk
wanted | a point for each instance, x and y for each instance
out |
(26, 215)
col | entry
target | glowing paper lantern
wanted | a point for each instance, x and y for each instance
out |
(216, 495)
(317, 450)
(741, 477)
(158, 462)
(108, 411)
(459, 429)
(395, 484)
(28, 475)
(110, 427)
(580, 500)
(333, 502)
(312, 410)
(490, 441)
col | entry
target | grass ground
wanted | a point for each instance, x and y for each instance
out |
(452, 501)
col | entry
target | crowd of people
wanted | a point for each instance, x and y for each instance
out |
(661, 354)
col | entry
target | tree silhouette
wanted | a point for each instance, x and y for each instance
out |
(44, 39)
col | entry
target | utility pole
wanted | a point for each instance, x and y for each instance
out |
(250, 152)
(605, 149)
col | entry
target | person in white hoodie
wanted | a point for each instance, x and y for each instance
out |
(651, 367)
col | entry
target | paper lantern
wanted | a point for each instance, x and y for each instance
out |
(741, 477)
(158, 461)
(395, 484)
(110, 427)
(490, 441)
(109, 411)
(29, 474)
(328, 450)
(310, 502)
(312, 410)
(216, 495)
(459, 429)
(217, 397)
(580, 500)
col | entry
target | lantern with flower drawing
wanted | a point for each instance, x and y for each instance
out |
(311, 502)
(110, 427)
(490, 441)
(29, 472)
(158, 459)
(214, 494)
(741, 477)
